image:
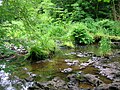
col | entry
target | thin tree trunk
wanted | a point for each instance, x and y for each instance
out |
(119, 10)
(114, 11)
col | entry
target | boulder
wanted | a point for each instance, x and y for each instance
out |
(54, 84)
(93, 79)
(113, 86)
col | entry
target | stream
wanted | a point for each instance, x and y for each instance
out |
(21, 75)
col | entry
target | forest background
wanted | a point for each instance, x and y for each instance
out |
(41, 26)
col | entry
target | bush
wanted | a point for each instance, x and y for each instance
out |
(81, 35)
(36, 53)
(110, 27)
(105, 46)
(41, 48)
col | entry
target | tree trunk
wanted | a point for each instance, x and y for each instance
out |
(114, 10)
(119, 10)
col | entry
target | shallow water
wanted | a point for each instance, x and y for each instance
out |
(47, 70)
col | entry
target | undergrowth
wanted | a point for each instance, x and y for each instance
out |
(39, 32)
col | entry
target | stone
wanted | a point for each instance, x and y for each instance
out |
(68, 61)
(81, 55)
(72, 86)
(67, 70)
(84, 64)
(70, 64)
(55, 84)
(72, 77)
(112, 70)
(113, 86)
(72, 53)
(75, 62)
(93, 79)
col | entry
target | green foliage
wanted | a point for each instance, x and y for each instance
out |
(41, 48)
(36, 53)
(33, 27)
(13, 65)
(5, 52)
(41, 26)
(82, 35)
(116, 28)
(38, 24)
(105, 46)
(76, 10)
(111, 27)
(104, 0)
(102, 27)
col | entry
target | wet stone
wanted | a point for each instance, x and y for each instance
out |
(67, 70)
(72, 86)
(71, 62)
(54, 84)
(93, 79)
(81, 55)
(113, 86)
(72, 77)
(68, 60)
(111, 70)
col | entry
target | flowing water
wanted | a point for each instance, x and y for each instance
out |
(19, 72)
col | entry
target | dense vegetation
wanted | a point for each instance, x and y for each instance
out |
(41, 26)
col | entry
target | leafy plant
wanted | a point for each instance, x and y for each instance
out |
(36, 54)
(41, 48)
(105, 46)
(38, 24)
(81, 34)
